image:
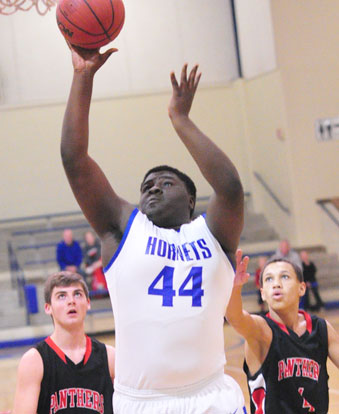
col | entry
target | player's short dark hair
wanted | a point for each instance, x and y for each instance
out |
(190, 186)
(63, 278)
(297, 269)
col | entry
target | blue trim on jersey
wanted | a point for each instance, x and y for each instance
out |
(127, 229)
(233, 265)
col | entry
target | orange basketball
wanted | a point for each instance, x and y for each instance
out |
(90, 23)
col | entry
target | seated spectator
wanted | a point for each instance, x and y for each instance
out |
(309, 272)
(284, 251)
(69, 253)
(93, 264)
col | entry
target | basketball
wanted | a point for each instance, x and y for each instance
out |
(90, 24)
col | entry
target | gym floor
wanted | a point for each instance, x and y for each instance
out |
(9, 359)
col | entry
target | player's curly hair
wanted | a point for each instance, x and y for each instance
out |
(190, 186)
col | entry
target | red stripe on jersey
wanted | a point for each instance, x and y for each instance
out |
(281, 325)
(308, 320)
(306, 315)
(88, 349)
(258, 399)
(56, 349)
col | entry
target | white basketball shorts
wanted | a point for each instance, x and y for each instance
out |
(220, 394)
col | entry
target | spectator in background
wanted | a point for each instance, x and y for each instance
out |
(309, 271)
(93, 263)
(284, 251)
(261, 263)
(69, 253)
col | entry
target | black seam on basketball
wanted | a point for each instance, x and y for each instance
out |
(78, 27)
(99, 41)
(98, 20)
(89, 33)
(119, 27)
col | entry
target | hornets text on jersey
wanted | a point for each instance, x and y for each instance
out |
(169, 291)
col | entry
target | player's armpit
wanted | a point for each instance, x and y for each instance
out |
(30, 373)
(257, 347)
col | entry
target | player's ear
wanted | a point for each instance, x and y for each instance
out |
(262, 294)
(88, 304)
(191, 203)
(302, 289)
(48, 309)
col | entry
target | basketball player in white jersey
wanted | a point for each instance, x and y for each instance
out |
(169, 276)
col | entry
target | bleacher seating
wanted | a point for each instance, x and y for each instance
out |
(34, 243)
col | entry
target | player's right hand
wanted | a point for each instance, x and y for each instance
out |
(88, 59)
(241, 274)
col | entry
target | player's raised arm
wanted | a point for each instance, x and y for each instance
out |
(225, 209)
(247, 325)
(104, 209)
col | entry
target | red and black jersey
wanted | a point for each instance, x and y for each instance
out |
(293, 378)
(66, 387)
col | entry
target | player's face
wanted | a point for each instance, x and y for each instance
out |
(281, 288)
(165, 199)
(69, 305)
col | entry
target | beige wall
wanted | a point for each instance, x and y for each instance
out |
(307, 39)
(128, 136)
(133, 133)
(268, 151)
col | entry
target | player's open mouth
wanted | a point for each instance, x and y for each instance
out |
(71, 312)
(277, 295)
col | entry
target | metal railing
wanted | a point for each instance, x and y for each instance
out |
(18, 279)
(323, 205)
(271, 193)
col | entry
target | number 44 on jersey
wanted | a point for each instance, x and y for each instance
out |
(164, 280)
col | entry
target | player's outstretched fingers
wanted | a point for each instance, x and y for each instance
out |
(183, 79)
(192, 75)
(174, 81)
(238, 257)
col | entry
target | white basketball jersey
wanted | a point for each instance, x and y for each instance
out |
(169, 291)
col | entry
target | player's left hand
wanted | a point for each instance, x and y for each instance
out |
(241, 274)
(184, 92)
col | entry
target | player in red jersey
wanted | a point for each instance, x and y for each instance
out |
(67, 371)
(286, 350)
